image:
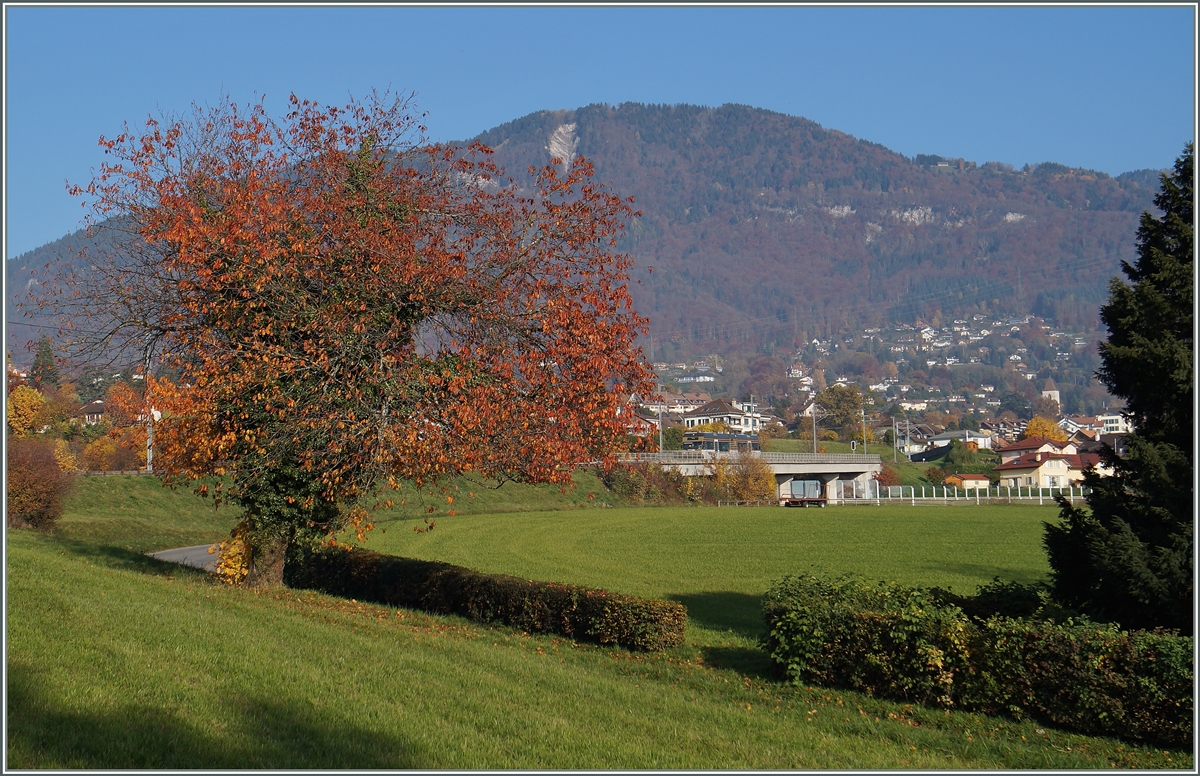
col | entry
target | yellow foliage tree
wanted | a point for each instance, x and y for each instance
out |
(743, 478)
(64, 457)
(98, 455)
(1044, 427)
(24, 406)
(718, 427)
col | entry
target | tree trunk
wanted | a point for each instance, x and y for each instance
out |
(266, 561)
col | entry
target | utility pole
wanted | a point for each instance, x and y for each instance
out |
(863, 413)
(661, 401)
(895, 441)
(150, 415)
(818, 412)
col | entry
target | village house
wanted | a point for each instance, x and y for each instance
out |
(1090, 425)
(1046, 469)
(1114, 423)
(981, 440)
(1036, 444)
(638, 425)
(968, 481)
(1007, 430)
(92, 412)
(673, 402)
(742, 417)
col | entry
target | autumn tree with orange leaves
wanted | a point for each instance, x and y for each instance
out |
(348, 307)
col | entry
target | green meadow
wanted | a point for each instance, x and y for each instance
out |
(116, 660)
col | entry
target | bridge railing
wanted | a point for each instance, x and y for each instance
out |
(704, 456)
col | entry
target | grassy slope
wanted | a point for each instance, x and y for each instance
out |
(116, 660)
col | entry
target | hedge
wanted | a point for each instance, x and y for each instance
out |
(903, 643)
(580, 613)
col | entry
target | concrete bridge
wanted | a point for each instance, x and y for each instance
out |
(843, 475)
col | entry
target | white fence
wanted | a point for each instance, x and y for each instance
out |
(908, 494)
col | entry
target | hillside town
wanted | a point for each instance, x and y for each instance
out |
(915, 389)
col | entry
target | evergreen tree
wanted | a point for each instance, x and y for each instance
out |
(1127, 557)
(44, 373)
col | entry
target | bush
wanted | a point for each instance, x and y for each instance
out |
(580, 613)
(881, 639)
(888, 477)
(917, 645)
(1082, 676)
(99, 454)
(36, 485)
(642, 483)
(741, 478)
(996, 599)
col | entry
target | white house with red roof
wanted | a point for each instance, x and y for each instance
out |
(1038, 469)
(1037, 444)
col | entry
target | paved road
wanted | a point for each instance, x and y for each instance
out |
(196, 556)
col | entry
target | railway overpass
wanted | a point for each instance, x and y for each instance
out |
(843, 475)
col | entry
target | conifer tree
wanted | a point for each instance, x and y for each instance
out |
(45, 369)
(1127, 556)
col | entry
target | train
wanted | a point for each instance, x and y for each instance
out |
(720, 442)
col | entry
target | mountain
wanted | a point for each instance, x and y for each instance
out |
(765, 230)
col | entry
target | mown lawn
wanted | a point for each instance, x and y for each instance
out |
(719, 561)
(119, 661)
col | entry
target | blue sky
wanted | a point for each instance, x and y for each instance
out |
(1107, 88)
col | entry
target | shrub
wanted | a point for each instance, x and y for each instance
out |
(99, 454)
(1083, 676)
(580, 613)
(232, 560)
(881, 639)
(916, 645)
(643, 483)
(888, 476)
(742, 478)
(36, 485)
(130, 452)
(996, 599)
(64, 457)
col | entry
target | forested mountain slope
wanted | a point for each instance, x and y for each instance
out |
(765, 230)
(750, 215)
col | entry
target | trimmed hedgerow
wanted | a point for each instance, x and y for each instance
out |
(1083, 676)
(904, 643)
(580, 613)
(882, 639)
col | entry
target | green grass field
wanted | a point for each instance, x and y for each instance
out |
(119, 661)
(719, 561)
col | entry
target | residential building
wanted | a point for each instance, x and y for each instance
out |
(92, 412)
(1045, 470)
(983, 441)
(968, 481)
(1114, 423)
(742, 417)
(1037, 444)
(1087, 423)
